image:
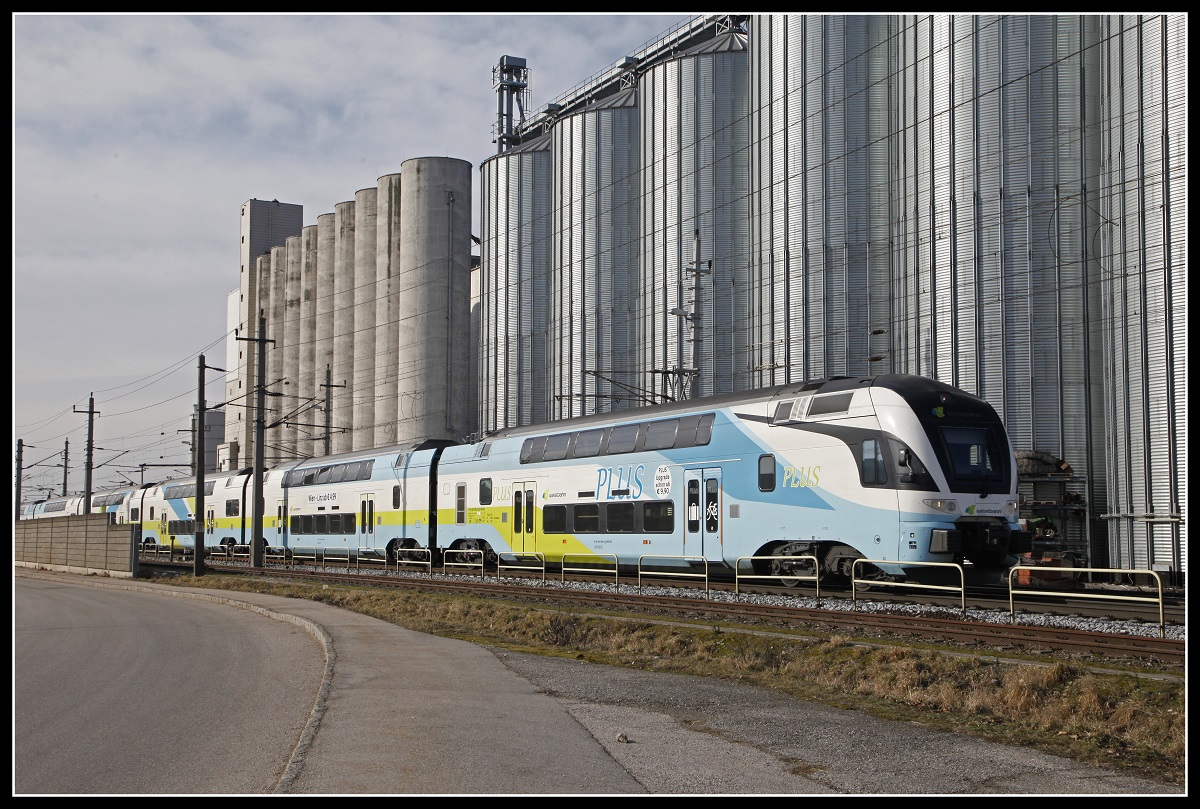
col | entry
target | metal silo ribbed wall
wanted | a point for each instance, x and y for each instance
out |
(1144, 253)
(695, 177)
(995, 146)
(592, 286)
(514, 286)
(435, 281)
(821, 127)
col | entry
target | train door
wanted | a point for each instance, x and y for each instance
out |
(366, 520)
(523, 539)
(702, 493)
(210, 525)
(280, 533)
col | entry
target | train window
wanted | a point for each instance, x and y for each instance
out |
(537, 449)
(320, 523)
(554, 519)
(135, 515)
(661, 434)
(658, 517)
(151, 512)
(349, 523)
(460, 504)
(783, 412)
(210, 487)
(295, 524)
(364, 469)
(323, 475)
(485, 491)
(830, 404)
(623, 439)
(587, 443)
(587, 518)
(556, 447)
(335, 523)
(873, 472)
(766, 473)
(526, 450)
(309, 476)
(704, 429)
(618, 518)
(338, 473)
(306, 524)
(395, 497)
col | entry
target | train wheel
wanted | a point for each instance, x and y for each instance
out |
(785, 564)
(489, 556)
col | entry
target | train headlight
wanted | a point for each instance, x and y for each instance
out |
(1012, 509)
(948, 506)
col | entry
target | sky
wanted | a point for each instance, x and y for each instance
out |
(136, 139)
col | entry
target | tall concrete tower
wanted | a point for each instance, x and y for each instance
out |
(265, 224)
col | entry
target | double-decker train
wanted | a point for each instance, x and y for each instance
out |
(797, 480)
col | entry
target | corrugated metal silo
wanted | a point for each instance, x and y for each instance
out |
(820, 279)
(435, 265)
(387, 306)
(1144, 254)
(291, 345)
(514, 286)
(343, 326)
(363, 395)
(995, 154)
(307, 390)
(695, 180)
(593, 284)
(323, 358)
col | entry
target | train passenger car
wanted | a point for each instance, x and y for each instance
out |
(374, 500)
(167, 512)
(58, 507)
(899, 469)
(114, 503)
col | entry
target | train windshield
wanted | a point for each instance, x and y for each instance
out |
(973, 457)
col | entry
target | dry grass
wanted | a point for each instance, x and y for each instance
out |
(1127, 722)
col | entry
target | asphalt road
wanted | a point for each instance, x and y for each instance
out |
(120, 690)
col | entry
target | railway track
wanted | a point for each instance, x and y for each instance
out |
(838, 614)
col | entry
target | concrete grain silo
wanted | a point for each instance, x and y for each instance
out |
(273, 405)
(343, 326)
(323, 359)
(514, 271)
(387, 306)
(434, 287)
(363, 395)
(821, 129)
(593, 283)
(294, 249)
(306, 392)
(694, 200)
(263, 268)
